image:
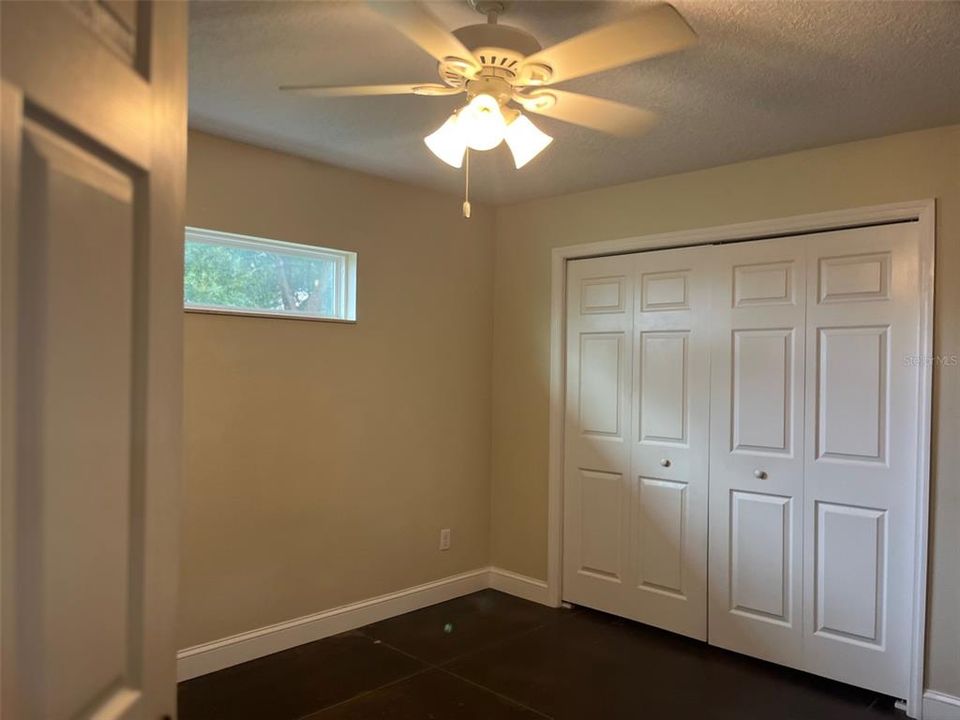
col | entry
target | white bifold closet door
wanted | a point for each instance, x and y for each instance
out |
(861, 452)
(756, 455)
(813, 513)
(636, 456)
(786, 372)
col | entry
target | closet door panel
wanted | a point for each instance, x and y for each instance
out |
(596, 499)
(760, 541)
(756, 466)
(669, 456)
(860, 455)
(851, 393)
(762, 402)
(663, 359)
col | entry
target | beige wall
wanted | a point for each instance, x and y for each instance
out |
(904, 167)
(323, 459)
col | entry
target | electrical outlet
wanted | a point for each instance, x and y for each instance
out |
(445, 539)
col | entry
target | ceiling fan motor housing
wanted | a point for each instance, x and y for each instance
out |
(500, 50)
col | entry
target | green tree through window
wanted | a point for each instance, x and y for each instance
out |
(255, 275)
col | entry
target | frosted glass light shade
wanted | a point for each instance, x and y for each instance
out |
(481, 123)
(525, 140)
(447, 142)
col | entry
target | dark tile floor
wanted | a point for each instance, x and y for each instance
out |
(490, 656)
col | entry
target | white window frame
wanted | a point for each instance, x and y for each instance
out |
(346, 280)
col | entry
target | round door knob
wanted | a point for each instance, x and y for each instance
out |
(760, 474)
(664, 462)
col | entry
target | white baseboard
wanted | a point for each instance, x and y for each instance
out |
(223, 653)
(940, 706)
(522, 586)
(219, 654)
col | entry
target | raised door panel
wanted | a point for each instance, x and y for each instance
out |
(851, 553)
(601, 503)
(603, 295)
(662, 514)
(114, 22)
(663, 291)
(852, 384)
(762, 390)
(854, 278)
(760, 556)
(663, 386)
(600, 388)
(764, 284)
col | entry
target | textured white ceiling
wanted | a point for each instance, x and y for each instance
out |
(766, 78)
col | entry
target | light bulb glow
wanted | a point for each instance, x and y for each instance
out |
(525, 140)
(481, 123)
(447, 142)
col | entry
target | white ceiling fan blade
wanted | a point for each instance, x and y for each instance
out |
(592, 112)
(368, 90)
(423, 27)
(645, 34)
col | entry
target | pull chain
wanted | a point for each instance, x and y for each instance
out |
(466, 186)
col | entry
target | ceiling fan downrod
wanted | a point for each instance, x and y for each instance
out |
(491, 8)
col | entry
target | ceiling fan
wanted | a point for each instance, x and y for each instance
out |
(498, 66)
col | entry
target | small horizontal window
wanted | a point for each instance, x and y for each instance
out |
(228, 273)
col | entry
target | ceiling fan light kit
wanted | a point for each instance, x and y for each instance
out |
(496, 65)
(482, 125)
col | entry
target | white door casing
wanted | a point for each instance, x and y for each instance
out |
(93, 157)
(756, 463)
(637, 445)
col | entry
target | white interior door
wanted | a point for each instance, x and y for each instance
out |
(756, 463)
(93, 153)
(635, 499)
(860, 488)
